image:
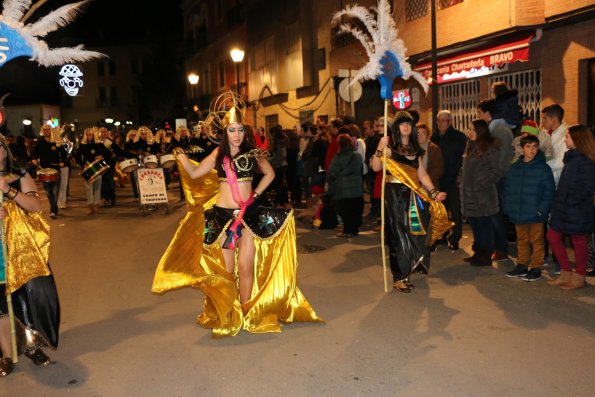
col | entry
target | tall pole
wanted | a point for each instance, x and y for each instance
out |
(434, 69)
(238, 78)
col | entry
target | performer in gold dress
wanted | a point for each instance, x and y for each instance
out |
(242, 256)
(25, 275)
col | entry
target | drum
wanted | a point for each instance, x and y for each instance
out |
(194, 152)
(47, 175)
(167, 160)
(150, 161)
(128, 165)
(95, 170)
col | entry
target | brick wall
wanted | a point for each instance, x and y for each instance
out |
(556, 7)
(559, 53)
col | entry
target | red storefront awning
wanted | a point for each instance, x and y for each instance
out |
(477, 63)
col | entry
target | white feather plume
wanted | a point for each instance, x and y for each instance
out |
(15, 9)
(382, 37)
(56, 19)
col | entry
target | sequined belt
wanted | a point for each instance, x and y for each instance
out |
(392, 179)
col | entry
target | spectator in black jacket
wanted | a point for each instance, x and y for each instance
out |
(452, 143)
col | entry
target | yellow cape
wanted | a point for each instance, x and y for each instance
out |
(439, 222)
(187, 262)
(28, 246)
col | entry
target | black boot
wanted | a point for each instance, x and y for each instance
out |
(483, 257)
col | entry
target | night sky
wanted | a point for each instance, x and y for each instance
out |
(103, 22)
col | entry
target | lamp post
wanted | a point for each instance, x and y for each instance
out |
(237, 56)
(193, 80)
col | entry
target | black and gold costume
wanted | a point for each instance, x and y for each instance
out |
(29, 279)
(194, 258)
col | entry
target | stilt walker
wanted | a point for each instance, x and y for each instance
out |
(387, 61)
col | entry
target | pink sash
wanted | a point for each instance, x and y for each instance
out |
(233, 232)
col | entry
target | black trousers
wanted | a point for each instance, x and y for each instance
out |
(453, 206)
(350, 210)
(108, 187)
(406, 250)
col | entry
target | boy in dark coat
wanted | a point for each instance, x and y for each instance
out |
(528, 196)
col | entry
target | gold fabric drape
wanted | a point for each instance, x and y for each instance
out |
(27, 246)
(439, 222)
(187, 262)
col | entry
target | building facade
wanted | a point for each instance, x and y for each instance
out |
(543, 48)
(295, 59)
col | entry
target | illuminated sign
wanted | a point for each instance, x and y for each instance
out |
(402, 99)
(479, 63)
(71, 79)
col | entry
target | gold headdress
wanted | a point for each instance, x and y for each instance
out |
(227, 108)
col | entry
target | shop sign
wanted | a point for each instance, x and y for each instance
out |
(479, 63)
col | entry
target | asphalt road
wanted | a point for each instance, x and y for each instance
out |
(463, 331)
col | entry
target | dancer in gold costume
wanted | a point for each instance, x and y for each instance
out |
(242, 256)
(26, 281)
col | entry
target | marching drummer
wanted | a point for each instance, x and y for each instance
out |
(131, 148)
(202, 140)
(108, 186)
(182, 140)
(89, 151)
(161, 146)
(51, 156)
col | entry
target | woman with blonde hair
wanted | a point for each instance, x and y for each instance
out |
(89, 150)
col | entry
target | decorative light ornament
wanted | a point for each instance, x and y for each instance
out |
(71, 80)
(402, 99)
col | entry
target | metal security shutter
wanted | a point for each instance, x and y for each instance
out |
(461, 100)
(528, 83)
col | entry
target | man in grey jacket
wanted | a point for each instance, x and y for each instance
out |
(500, 131)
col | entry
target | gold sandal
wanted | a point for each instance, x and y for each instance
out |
(39, 358)
(6, 366)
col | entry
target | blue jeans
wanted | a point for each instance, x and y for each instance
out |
(52, 189)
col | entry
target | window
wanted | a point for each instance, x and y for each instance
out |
(112, 68)
(461, 100)
(100, 68)
(271, 121)
(221, 74)
(113, 96)
(415, 9)
(306, 116)
(107, 96)
(101, 97)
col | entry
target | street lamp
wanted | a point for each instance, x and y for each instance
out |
(237, 56)
(193, 78)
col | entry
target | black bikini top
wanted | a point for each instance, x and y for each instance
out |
(244, 166)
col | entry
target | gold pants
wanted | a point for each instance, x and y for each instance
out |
(528, 235)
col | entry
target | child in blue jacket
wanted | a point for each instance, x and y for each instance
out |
(528, 197)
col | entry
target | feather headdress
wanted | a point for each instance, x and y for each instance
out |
(385, 50)
(28, 37)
